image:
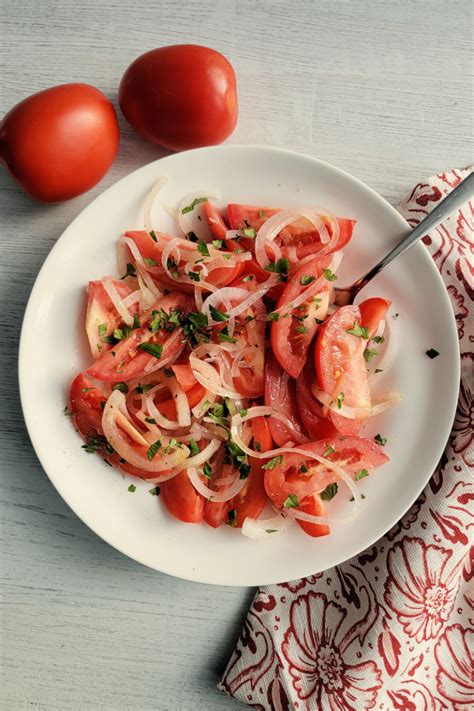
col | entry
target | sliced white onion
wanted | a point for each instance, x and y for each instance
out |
(231, 293)
(189, 222)
(211, 494)
(266, 528)
(355, 413)
(116, 403)
(132, 298)
(391, 346)
(203, 456)
(199, 409)
(158, 363)
(117, 301)
(149, 200)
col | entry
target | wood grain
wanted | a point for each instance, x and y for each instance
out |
(381, 89)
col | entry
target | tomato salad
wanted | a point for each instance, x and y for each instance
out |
(223, 374)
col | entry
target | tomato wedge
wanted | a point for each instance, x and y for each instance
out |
(215, 220)
(101, 316)
(261, 434)
(181, 499)
(293, 332)
(280, 394)
(309, 409)
(372, 311)
(194, 395)
(314, 506)
(301, 234)
(127, 360)
(341, 367)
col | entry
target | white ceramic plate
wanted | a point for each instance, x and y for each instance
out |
(53, 349)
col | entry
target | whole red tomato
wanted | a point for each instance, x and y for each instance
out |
(60, 142)
(180, 97)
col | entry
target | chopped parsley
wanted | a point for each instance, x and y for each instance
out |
(168, 372)
(249, 277)
(218, 315)
(261, 213)
(232, 518)
(281, 267)
(271, 464)
(369, 353)
(271, 530)
(304, 469)
(121, 334)
(150, 262)
(155, 491)
(432, 353)
(102, 329)
(132, 488)
(129, 272)
(98, 443)
(273, 316)
(153, 450)
(192, 236)
(359, 331)
(301, 329)
(207, 470)
(223, 335)
(136, 322)
(329, 492)
(258, 446)
(203, 248)
(291, 502)
(151, 420)
(305, 280)
(327, 273)
(250, 232)
(190, 208)
(238, 458)
(361, 474)
(154, 349)
(121, 387)
(340, 400)
(378, 370)
(378, 339)
(194, 276)
(193, 447)
(153, 235)
(67, 412)
(380, 440)
(329, 450)
(217, 243)
(143, 388)
(243, 413)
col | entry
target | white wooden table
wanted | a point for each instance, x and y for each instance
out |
(381, 89)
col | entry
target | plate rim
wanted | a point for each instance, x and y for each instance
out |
(192, 576)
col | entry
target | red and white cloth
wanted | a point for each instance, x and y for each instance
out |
(393, 627)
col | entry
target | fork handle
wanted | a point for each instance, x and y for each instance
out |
(449, 204)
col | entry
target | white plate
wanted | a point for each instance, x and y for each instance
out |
(53, 350)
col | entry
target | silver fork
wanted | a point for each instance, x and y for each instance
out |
(456, 198)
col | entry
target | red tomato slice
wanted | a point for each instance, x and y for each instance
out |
(149, 249)
(250, 502)
(126, 360)
(340, 365)
(309, 409)
(314, 506)
(301, 234)
(352, 453)
(292, 334)
(101, 314)
(87, 402)
(194, 395)
(184, 375)
(261, 434)
(215, 220)
(372, 311)
(181, 499)
(280, 394)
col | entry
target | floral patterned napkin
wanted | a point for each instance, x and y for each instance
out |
(393, 627)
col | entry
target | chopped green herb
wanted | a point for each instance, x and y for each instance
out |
(218, 315)
(361, 474)
(153, 450)
(154, 349)
(432, 353)
(327, 273)
(329, 492)
(94, 444)
(150, 262)
(340, 400)
(155, 491)
(217, 243)
(136, 321)
(362, 496)
(378, 370)
(130, 272)
(258, 446)
(168, 372)
(110, 340)
(121, 387)
(190, 208)
(304, 469)
(250, 232)
(378, 339)
(359, 331)
(301, 329)
(132, 488)
(172, 444)
(291, 502)
(249, 277)
(193, 447)
(281, 267)
(223, 335)
(271, 530)
(86, 390)
(232, 518)
(369, 353)
(319, 321)
(143, 388)
(102, 329)
(273, 316)
(329, 450)
(207, 470)
(153, 235)
(305, 280)
(151, 420)
(271, 464)
(194, 276)
(203, 248)
(121, 334)
(192, 236)
(243, 413)
(238, 458)
(261, 213)
(380, 440)
(67, 412)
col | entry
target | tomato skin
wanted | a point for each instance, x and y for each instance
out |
(261, 434)
(289, 346)
(314, 506)
(194, 395)
(372, 311)
(181, 499)
(60, 142)
(215, 220)
(180, 97)
(280, 394)
(249, 503)
(309, 408)
(100, 310)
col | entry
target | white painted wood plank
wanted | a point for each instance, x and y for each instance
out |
(381, 89)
